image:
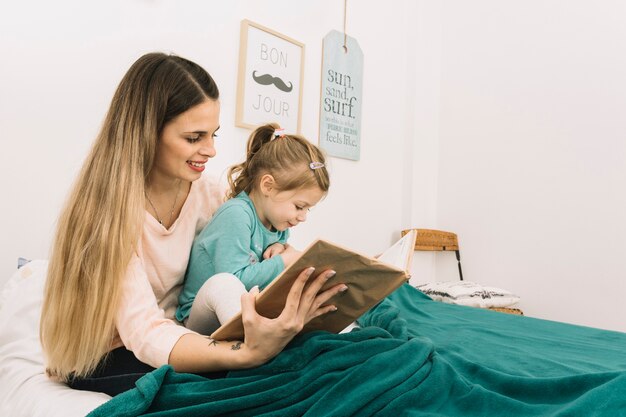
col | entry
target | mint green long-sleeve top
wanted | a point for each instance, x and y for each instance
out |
(234, 242)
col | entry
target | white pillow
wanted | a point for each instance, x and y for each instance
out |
(468, 293)
(25, 390)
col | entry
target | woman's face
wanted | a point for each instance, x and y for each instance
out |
(187, 142)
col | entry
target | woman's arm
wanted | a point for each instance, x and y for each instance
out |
(264, 338)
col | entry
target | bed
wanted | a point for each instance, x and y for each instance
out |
(411, 356)
(24, 388)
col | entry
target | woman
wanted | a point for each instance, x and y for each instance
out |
(124, 236)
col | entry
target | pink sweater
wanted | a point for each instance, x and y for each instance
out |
(145, 318)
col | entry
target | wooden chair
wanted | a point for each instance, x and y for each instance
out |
(437, 240)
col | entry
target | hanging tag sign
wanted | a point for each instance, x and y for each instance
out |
(342, 85)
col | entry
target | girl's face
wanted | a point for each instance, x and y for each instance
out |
(187, 143)
(281, 210)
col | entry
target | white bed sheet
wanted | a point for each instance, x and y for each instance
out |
(25, 390)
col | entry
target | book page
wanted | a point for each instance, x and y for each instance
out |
(400, 253)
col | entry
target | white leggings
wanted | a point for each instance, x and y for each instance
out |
(217, 301)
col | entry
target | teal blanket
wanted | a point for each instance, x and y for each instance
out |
(412, 357)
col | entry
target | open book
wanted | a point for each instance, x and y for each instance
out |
(369, 280)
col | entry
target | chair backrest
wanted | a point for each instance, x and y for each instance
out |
(437, 240)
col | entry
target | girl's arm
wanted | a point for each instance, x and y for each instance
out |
(234, 255)
(264, 338)
(226, 246)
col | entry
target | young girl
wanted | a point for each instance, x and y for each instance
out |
(282, 177)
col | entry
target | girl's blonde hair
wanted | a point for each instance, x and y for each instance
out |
(287, 158)
(102, 220)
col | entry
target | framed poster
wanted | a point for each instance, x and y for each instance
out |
(271, 71)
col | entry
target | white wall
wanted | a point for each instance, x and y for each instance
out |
(532, 172)
(423, 88)
(61, 62)
(500, 120)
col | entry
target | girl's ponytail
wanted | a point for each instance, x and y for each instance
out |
(239, 177)
(291, 159)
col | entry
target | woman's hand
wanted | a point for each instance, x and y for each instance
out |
(274, 249)
(264, 337)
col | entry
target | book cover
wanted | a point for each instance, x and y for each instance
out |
(369, 280)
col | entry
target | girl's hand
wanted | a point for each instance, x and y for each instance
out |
(274, 249)
(290, 255)
(264, 337)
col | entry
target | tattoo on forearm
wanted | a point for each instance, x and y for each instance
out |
(236, 346)
(212, 342)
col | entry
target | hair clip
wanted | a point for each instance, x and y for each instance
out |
(316, 165)
(279, 133)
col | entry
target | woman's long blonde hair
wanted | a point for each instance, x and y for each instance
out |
(101, 223)
(287, 158)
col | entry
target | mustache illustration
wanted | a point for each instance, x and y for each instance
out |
(268, 79)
